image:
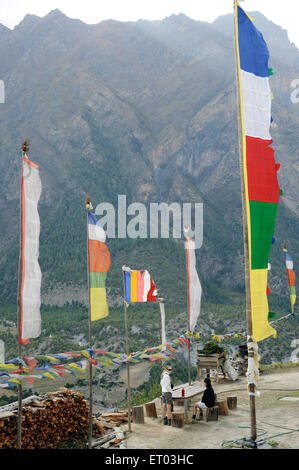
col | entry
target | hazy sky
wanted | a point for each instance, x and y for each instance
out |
(285, 13)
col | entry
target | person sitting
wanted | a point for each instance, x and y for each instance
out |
(207, 401)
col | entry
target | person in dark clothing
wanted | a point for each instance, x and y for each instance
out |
(207, 401)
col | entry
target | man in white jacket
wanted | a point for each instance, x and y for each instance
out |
(165, 383)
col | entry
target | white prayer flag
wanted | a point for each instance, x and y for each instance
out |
(30, 319)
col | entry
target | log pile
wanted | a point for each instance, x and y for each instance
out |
(108, 421)
(105, 429)
(47, 421)
(56, 418)
(114, 438)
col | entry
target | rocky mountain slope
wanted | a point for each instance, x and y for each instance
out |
(145, 109)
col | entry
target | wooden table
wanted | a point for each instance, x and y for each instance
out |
(190, 392)
(213, 361)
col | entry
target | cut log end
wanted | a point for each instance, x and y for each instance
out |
(222, 408)
(150, 410)
(212, 414)
(138, 415)
(178, 420)
(232, 403)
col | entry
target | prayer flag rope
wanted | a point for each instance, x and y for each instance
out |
(54, 366)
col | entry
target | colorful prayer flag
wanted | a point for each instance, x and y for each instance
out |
(30, 281)
(291, 277)
(99, 264)
(259, 167)
(139, 286)
(194, 286)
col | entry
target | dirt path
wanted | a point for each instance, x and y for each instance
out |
(273, 416)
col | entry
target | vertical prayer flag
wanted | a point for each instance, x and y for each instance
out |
(99, 264)
(30, 279)
(194, 286)
(291, 277)
(258, 164)
(139, 286)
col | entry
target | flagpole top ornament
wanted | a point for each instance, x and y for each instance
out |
(186, 231)
(26, 146)
(88, 204)
(126, 269)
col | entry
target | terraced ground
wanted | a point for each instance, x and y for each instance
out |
(273, 415)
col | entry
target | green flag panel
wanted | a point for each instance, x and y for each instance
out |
(292, 290)
(262, 219)
(97, 279)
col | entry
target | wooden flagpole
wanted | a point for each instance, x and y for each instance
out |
(242, 151)
(186, 229)
(160, 326)
(25, 149)
(88, 206)
(127, 352)
(285, 250)
(189, 356)
(20, 388)
(160, 319)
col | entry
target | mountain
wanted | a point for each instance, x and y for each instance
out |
(142, 109)
(275, 35)
(3, 30)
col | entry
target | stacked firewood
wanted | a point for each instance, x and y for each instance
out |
(47, 421)
(57, 418)
(104, 429)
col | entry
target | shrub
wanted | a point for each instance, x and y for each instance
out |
(212, 347)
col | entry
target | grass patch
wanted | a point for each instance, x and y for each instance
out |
(290, 394)
(273, 443)
(278, 366)
(73, 444)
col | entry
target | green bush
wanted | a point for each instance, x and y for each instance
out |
(212, 347)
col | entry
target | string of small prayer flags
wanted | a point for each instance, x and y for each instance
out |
(18, 369)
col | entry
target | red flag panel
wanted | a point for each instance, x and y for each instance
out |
(262, 171)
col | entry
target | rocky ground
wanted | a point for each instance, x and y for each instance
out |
(273, 415)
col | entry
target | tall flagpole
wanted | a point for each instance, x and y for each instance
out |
(25, 149)
(189, 356)
(242, 151)
(162, 333)
(127, 353)
(160, 323)
(89, 207)
(161, 320)
(285, 250)
(188, 303)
